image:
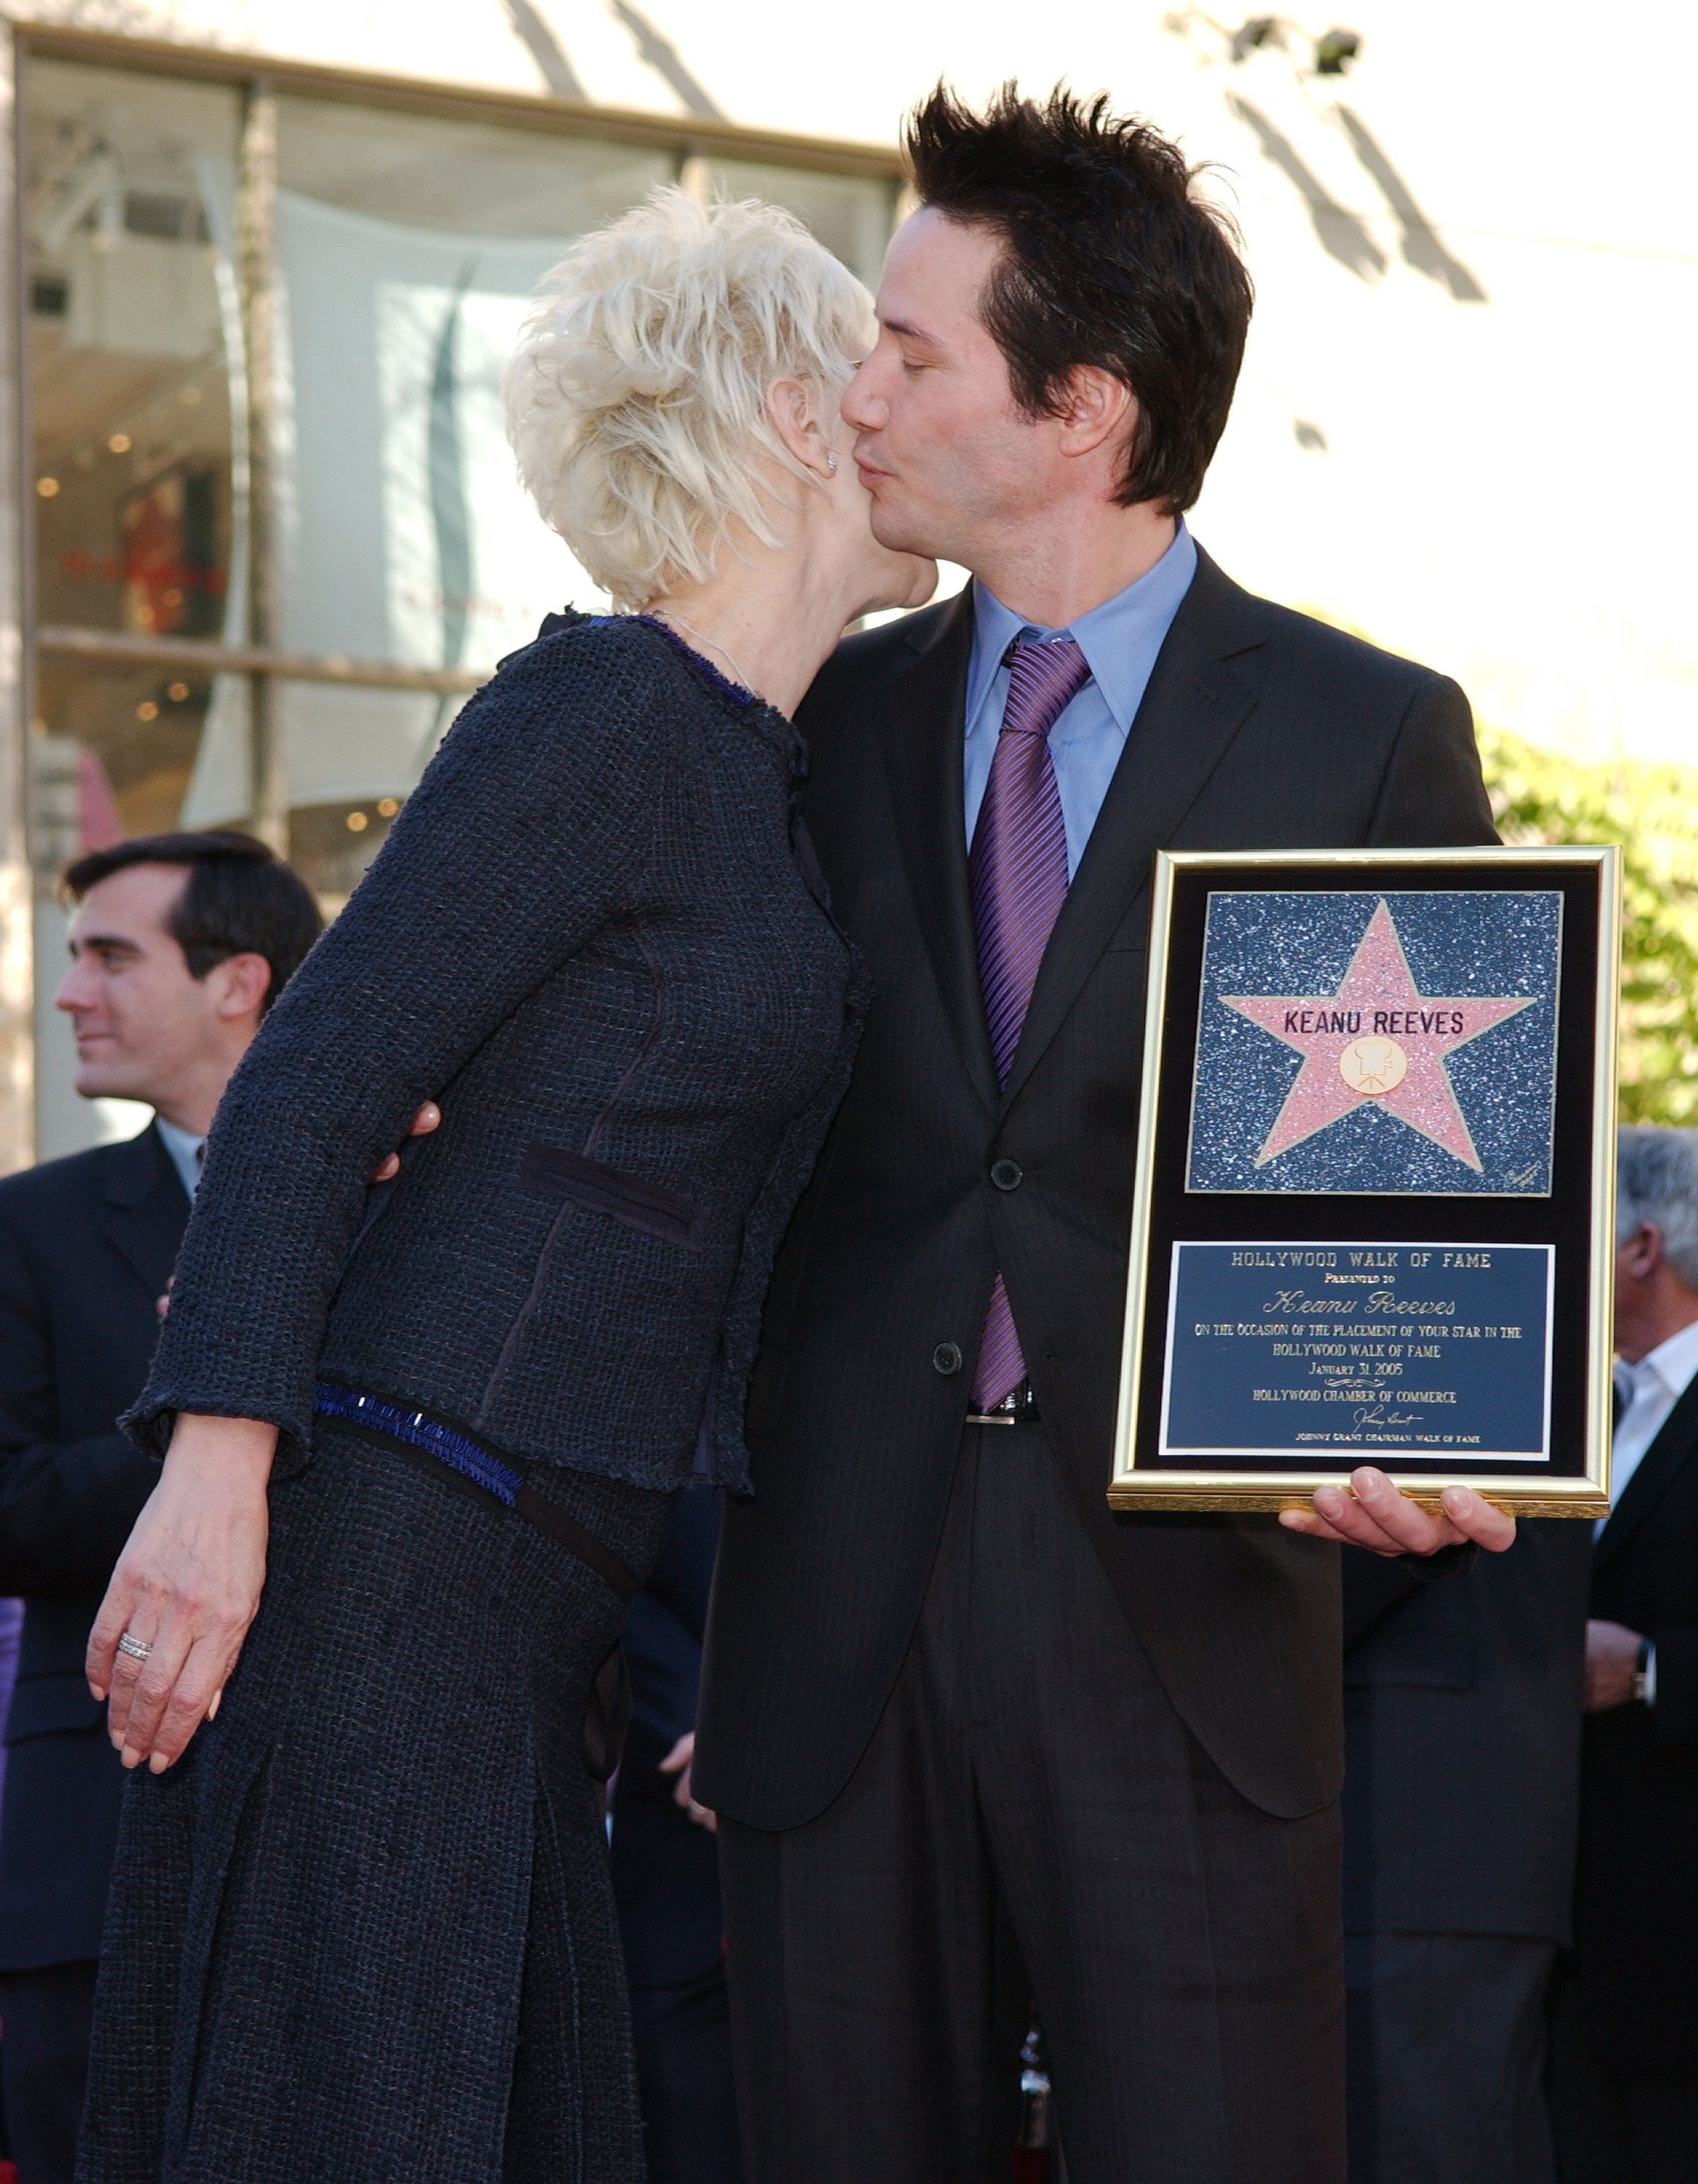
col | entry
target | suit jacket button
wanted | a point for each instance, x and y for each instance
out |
(946, 1358)
(1006, 1174)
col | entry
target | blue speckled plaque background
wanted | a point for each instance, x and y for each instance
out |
(1461, 944)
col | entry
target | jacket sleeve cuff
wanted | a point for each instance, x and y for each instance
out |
(1448, 1562)
(1674, 1716)
(150, 1425)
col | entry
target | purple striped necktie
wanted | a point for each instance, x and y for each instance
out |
(1018, 868)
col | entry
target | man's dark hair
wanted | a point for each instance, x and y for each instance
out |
(1108, 260)
(239, 899)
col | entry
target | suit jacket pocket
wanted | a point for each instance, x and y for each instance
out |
(600, 1189)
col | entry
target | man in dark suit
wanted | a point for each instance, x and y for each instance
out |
(1462, 1798)
(1623, 2072)
(665, 1876)
(972, 1739)
(179, 945)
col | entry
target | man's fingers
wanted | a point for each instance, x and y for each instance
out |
(1412, 1529)
(1346, 1518)
(387, 1168)
(1375, 1514)
(1476, 1518)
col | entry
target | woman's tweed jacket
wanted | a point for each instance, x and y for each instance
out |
(590, 937)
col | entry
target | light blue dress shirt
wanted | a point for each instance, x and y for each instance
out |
(1120, 640)
(183, 1150)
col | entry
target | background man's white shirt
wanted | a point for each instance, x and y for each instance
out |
(1648, 1392)
(184, 1150)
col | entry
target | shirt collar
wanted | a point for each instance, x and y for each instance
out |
(183, 1150)
(1119, 639)
(1673, 1362)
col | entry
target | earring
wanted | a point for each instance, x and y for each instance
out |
(831, 462)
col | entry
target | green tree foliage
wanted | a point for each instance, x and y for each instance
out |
(1652, 812)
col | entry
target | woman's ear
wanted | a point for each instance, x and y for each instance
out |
(792, 410)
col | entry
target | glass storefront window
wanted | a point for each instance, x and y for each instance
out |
(129, 296)
(852, 215)
(407, 248)
(129, 302)
(408, 251)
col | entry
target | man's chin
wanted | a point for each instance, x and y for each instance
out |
(897, 528)
(97, 1083)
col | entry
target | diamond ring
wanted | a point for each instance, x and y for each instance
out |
(138, 1648)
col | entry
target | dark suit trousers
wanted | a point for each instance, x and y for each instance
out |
(1031, 1820)
(1612, 2125)
(665, 1887)
(1446, 2043)
(47, 2015)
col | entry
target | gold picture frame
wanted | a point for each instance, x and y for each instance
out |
(1181, 1204)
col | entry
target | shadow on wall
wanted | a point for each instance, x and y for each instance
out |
(553, 64)
(1423, 248)
(1345, 235)
(1341, 233)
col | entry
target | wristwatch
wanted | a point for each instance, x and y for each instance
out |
(1641, 1673)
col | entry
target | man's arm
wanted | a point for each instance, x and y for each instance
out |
(1674, 1714)
(66, 1507)
(1613, 1655)
(1433, 795)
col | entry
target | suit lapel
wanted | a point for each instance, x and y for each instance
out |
(147, 1208)
(924, 728)
(1674, 1446)
(1195, 703)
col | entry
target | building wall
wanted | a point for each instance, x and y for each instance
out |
(1464, 426)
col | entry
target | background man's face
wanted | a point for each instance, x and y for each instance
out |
(939, 441)
(140, 1018)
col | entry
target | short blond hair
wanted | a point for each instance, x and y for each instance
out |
(637, 397)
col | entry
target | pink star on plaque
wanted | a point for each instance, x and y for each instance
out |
(1376, 1042)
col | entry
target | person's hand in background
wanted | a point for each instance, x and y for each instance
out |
(678, 1761)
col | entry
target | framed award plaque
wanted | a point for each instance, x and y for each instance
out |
(1374, 1207)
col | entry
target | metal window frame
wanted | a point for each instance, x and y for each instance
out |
(260, 81)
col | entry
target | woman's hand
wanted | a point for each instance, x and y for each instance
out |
(428, 1118)
(187, 1586)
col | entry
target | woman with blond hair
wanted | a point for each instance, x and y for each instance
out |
(420, 1442)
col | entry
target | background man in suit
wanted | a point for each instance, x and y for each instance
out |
(1624, 2032)
(1462, 1798)
(665, 1876)
(179, 944)
(970, 1738)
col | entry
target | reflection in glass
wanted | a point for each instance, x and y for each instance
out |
(408, 251)
(852, 215)
(130, 424)
(130, 404)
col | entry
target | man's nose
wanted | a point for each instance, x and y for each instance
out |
(73, 994)
(861, 406)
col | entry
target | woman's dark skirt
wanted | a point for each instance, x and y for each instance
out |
(362, 1932)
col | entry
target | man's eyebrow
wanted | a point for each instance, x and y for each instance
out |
(110, 942)
(905, 330)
